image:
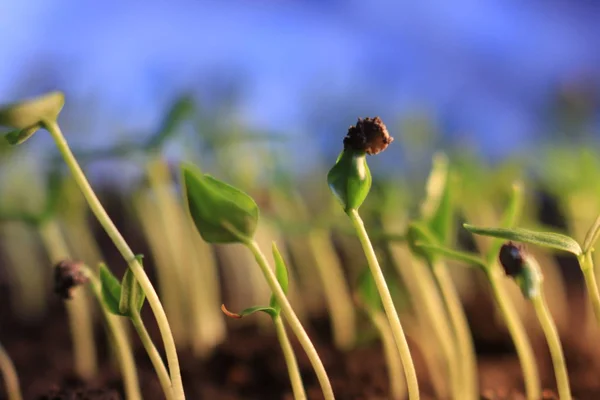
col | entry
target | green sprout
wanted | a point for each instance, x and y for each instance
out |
(274, 311)
(367, 297)
(350, 181)
(68, 275)
(42, 112)
(9, 375)
(489, 265)
(524, 269)
(435, 227)
(560, 242)
(225, 214)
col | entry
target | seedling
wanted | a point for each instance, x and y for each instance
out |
(350, 181)
(488, 264)
(434, 227)
(368, 299)
(274, 311)
(29, 116)
(524, 269)
(558, 242)
(10, 376)
(224, 214)
(68, 275)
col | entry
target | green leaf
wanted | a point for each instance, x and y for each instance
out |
(350, 179)
(249, 311)
(282, 277)
(438, 207)
(111, 290)
(510, 218)
(17, 137)
(456, 255)
(221, 213)
(29, 115)
(592, 236)
(419, 232)
(182, 108)
(132, 295)
(546, 239)
(367, 291)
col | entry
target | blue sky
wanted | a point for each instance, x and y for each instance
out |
(483, 71)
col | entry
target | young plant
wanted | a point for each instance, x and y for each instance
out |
(350, 181)
(9, 375)
(274, 311)
(559, 242)
(524, 269)
(435, 226)
(28, 117)
(489, 265)
(224, 214)
(68, 275)
(368, 299)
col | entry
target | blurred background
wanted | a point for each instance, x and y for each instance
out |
(491, 76)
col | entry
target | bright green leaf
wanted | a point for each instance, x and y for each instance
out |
(111, 290)
(249, 311)
(221, 213)
(456, 255)
(282, 277)
(546, 239)
(350, 179)
(132, 295)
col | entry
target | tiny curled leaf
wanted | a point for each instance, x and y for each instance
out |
(229, 313)
(248, 311)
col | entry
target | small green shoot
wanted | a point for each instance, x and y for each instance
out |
(350, 179)
(224, 214)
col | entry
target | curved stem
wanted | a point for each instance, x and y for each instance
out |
(122, 345)
(290, 359)
(558, 359)
(126, 253)
(9, 374)
(79, 312)
(388, 305)
(155, 358)
(518, 334)
(392, 358)
(460, 325)
(292, 318)
(587, 267)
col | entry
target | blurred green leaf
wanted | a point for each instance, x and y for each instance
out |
(419, 232)
(249, 311)
(17, 137)
(111, 290)
(350, 179)
(592, 236)
(510, 218)
(181, 109)
(439, 189)
(132, 296)
(221, 213)
(545, 239)
(367, 291)
(456, 255)
(282, 277)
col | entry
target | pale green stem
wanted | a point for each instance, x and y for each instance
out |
(155, 358)
(126, 253)
(335, 288)
(294, 322)
(460, 325)
(558, 359)
(587, 267)
(517, 332)
(9, 374)
(388, 306)
(78, 309)
(123, 349)
(392, 358)
(290, 359)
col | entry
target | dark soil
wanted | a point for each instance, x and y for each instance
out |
(249, 366)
